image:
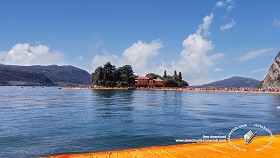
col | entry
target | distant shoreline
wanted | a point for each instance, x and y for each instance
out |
(217, 90)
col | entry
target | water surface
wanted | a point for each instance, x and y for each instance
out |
(47, 121)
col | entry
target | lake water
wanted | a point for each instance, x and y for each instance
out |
(47, 121)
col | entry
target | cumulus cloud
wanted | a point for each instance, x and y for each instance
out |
(24, 54)
(228, 25)
(254, 54)
(137, 55)
(204, 27)
(276, 22)
(194, 61)
(99, 60)
(140, 53)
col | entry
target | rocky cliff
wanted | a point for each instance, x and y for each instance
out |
(272, 79)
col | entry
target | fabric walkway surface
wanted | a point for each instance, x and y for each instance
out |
(194, 150)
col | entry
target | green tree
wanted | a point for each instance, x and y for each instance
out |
(170, 82)
(92, 78)
(175, 80)
(164, 75)
(109, 71)
(180, 77)
(126, 76)
(98, 76)
(183, 83)
(175, 76)
(154, 76)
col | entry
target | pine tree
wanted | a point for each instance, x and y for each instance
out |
(180, 77)
(175, 76)
(164, 75)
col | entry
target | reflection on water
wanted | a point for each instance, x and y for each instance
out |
(46, 121)
(113, 103)
(104, 93)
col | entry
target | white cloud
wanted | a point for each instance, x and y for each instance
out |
(217, 56)
(204, 28)
(24, 54)
(99, 60)
(228, 25)
(228, 4)
(194, 62)
(139, 54)
(276, 22)
(219, 4)
(254, 54)
(217, 69)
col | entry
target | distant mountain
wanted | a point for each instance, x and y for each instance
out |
(233, 82)
(10, 76)
(43, 75)
(272, 79)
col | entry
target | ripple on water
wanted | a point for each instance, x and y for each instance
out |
(47, 121)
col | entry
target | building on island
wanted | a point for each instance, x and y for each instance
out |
(148, 81)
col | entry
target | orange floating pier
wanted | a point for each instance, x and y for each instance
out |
(194, 150)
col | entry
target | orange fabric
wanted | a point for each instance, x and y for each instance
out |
(194, 150)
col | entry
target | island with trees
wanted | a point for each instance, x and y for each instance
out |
(109, 75)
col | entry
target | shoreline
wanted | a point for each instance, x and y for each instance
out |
(241, 90)
(204, 149)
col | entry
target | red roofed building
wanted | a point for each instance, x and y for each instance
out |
(148, 81)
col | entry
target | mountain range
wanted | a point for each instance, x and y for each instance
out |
(37, 75)
(233, 82)
(54, 75)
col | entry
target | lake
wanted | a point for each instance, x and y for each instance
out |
(46, 121)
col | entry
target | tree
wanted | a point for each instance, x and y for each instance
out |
(175, 76)
(154, 76)
(126, 76)
(109, 71)
(92, 77)
(98, 76)
(109, 75)
(180, 77)
(170, 82)
(175, 80)
(183, 83)
(164, 75)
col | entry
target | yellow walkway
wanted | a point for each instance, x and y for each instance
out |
(194, 150)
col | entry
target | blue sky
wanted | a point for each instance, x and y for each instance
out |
(206, 40)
